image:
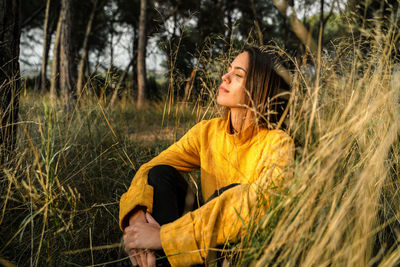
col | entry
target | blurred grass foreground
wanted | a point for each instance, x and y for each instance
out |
(60, 192)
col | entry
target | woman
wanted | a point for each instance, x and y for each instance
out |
(241, 158)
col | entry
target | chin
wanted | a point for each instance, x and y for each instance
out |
(221, 103)
(226, 104)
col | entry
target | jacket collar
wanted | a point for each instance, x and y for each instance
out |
(243, 136)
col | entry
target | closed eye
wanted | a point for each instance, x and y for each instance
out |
(236, 69)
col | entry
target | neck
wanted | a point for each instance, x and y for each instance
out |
(240, 119)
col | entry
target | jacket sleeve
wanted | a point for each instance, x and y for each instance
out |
(182, 155)
(187, 240)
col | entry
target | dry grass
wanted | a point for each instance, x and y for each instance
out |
(69, 171)
(342, 206)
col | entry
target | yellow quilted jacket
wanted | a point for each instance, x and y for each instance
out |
(256, 158)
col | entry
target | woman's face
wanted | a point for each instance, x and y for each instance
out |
(231, 93)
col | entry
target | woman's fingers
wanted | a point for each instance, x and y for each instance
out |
(138, 257)
(150, 219)
(151, 259)
(129, 250)
(142, 236)
(132, 257)
(143, 258)
(139, 236)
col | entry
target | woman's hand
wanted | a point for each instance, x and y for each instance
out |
(137, 256)
(142, 235)
(143, 258)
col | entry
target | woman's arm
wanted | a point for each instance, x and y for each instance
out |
(188, 239)
(182, 155)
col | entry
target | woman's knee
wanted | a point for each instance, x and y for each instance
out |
(164, 174)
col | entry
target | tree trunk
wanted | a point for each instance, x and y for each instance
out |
(256, 22)
(141, 61)
(46, 42)
(120, 81)
(87, 69)
(81, 72)
(9, 75)
(297, 27)
(321, 24)
(67, 70)
(134, 76)
(55, 66)
(228, 34)
(111, 47)
(174, 17)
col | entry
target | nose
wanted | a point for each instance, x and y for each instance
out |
(226, 78)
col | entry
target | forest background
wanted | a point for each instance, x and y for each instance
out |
(74, 133)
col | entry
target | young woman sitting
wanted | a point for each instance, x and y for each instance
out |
(242, 157)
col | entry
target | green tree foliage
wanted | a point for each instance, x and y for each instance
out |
(185, 29)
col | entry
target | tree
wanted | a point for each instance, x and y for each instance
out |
(85, 49)
(46, 38)
(296, 25)
(9, 74)
(141, 58)
(55, 66)
(67, 69)
(49, 26)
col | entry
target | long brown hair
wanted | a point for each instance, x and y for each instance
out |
(264, 87)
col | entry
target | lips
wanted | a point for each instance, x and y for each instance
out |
(223, 89)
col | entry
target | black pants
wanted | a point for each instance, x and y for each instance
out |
(169, 195)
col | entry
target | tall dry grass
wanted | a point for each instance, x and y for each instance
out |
(342, 207)
(62, 188)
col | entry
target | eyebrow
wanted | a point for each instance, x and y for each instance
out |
(240, 68)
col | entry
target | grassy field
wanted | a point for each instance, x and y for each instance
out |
(61, 206)
(341, 208)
